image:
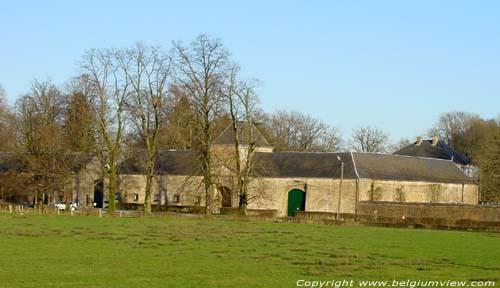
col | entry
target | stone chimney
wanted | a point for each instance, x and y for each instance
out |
(435, 140)
(419, 140)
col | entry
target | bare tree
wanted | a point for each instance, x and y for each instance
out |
(294, 131)
(403, 142)
(368, 139)
(452, 128)
(6, 123)
(79, 118)
(241, 100)
(487, 155)
(201, 70)
(148, 69)
(39, 116)
(109, 93)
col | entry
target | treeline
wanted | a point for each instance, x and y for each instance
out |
(479, 140)
(147, 98)
(142, 98)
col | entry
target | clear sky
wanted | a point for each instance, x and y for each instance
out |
(394, 64)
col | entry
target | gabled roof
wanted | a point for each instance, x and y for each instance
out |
(439, 151)
(226, 137)
(407, 168)
(11, 162)
(303, 164)
(363, 165)
(18, 162)
(79, 161)
(168, 162)
(317, 165)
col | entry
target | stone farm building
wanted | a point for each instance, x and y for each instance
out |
(299, 181)
(434, 148)
(284, 182)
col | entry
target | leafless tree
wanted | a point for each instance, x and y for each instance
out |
(6, 123)
(39, 118)
(241, 100)
(295, 131)
(201, 69)
(79, 118)
(148, 69)
(403, 142)
(109, 94)
(368, 139)
(452, 128)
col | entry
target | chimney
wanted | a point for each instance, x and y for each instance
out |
(419, 140)
(435, 140)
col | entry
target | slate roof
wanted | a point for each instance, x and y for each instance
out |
(318, 165)
(303, 164)
(226, 137)
(17, 161)
(407, 168)
(362, 165)
(439, 151)
(79, 161)
(10, 162)
(168, 162)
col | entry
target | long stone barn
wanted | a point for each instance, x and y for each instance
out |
(286, 182)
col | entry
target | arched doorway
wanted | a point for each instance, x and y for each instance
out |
(98, 193)
(226, 196)
(296, 201)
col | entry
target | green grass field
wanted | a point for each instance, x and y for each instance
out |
(82, 251)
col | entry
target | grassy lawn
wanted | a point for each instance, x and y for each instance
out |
(80, 251)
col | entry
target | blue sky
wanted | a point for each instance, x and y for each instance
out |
(394, 64)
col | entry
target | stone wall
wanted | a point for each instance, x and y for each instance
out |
(430, 215)
(417, 192)
(265, 213)
(321, 194)
(171, 190)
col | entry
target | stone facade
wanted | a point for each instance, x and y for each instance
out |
(318, 176)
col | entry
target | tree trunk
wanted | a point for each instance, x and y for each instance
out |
(112, 188)
(147, 196)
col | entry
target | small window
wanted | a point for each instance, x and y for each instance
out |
(136, 197)
(198, 200)
(177, 198)
(157, 197)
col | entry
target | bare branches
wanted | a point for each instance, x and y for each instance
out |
(148, 69)
(201, 70)
(295, 131)
(368, 139)
(110, 94)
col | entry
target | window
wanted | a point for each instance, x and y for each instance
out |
(177, 198)
(136, 197)
(157, 197)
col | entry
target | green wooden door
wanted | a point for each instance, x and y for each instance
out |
(296, 201)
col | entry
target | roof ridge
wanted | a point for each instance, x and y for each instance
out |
(409, 156)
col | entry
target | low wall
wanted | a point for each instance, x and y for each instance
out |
(266, 213)
(163, 208)
(314, 216)
(430, 215)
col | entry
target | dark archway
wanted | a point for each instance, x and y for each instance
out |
(226, 196)
(98, 193)
(296, 201)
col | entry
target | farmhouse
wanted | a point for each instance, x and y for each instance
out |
(434, 148)
(283, 182)
(298, 181)
(82, 174)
